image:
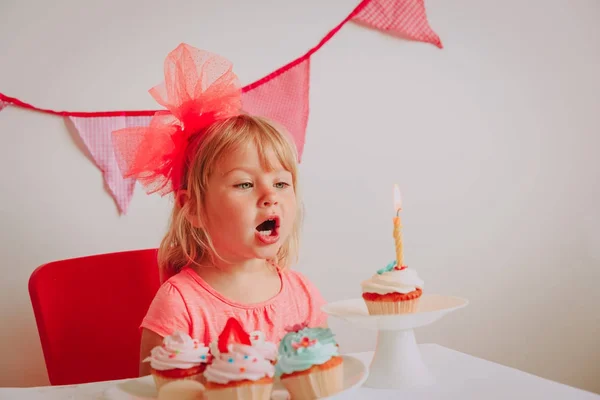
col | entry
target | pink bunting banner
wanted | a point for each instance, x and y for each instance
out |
(283, 98)
(400, 18)
(96, 133)
(282, 95)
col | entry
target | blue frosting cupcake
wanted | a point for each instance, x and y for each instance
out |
(309, 364)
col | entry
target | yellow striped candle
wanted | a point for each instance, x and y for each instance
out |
(398, 228)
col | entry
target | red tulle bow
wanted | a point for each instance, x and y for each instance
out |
(199, 89)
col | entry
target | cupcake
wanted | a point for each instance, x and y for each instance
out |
(309, 364)
(239, 371)
(179, 357)
(267, 349)
(392, 290)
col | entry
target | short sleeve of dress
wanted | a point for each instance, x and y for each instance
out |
(168, 312)
(316, 317)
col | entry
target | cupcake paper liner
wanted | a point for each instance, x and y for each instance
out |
(248, 391)
(315, 384)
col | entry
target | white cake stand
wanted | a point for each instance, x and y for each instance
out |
(397, 362)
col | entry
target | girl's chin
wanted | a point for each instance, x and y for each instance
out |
(269, 253)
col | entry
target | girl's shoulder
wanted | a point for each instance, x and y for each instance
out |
(297, 281)
(185, 282)
(183, 277)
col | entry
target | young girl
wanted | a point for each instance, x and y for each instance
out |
(236, 217)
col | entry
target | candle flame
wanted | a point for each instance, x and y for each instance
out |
(397, 199)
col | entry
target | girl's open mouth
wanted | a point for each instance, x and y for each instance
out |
(268, 231)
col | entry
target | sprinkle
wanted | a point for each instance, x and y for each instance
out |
(245, 357)
(171, 355)
(255, 337)
(203, 357)
(255, 360)
(387, 268)
(230, 360)
(242, 369)
(304, 342)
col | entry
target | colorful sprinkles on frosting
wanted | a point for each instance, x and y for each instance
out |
(304, 343)
(174, 353)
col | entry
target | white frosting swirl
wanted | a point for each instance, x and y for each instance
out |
(242, 362)
(267, 349)
(394, 281)
(178, 351)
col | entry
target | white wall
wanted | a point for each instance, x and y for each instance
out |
(493, 141)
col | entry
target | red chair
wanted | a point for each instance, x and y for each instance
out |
(88, 311)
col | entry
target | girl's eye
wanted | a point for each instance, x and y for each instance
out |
(245, 185)
(281, 185)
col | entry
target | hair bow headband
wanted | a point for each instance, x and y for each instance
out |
(199, 89)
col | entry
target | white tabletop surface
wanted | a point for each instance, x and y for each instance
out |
(458, 376)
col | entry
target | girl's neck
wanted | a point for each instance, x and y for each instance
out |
(249, 282)
(240, 268)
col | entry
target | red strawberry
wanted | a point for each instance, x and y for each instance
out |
(232, 333)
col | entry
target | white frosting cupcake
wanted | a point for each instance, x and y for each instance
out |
(392, 291)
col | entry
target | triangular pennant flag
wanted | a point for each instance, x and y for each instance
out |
(96, 133)
(283, 98)
(405, 18)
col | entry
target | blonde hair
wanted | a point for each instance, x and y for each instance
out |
(185, 244)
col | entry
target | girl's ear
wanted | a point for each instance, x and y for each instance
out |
(189, 207)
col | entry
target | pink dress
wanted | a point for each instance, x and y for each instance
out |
(187, 303)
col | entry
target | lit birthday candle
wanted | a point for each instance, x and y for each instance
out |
(398, 228)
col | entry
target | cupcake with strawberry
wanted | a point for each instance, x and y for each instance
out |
(179, 357)
(309, 364)
(239, 370)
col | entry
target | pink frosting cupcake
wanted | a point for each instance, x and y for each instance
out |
(178, 358)
(240, 370)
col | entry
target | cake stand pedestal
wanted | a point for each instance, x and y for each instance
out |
(397, 361)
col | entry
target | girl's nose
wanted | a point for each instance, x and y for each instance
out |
(270, 199)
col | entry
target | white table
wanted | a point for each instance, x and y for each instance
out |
(458, 376)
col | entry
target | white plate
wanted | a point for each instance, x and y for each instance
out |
(431, 308)
(355, 374)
